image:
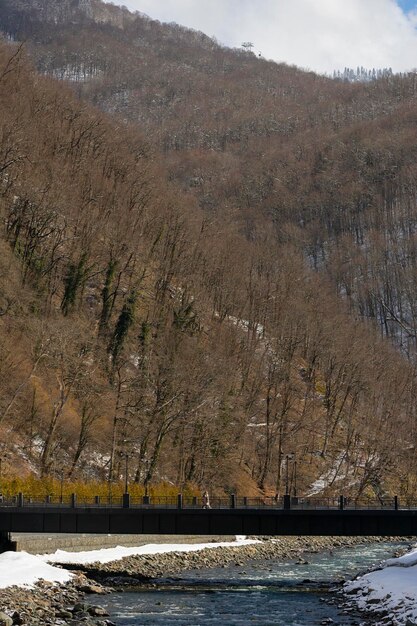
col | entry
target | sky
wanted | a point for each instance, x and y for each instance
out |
(321, 35)
(407, 5)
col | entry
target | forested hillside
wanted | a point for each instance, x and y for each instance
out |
(206, 275)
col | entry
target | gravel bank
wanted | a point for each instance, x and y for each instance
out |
(49, 604)
(143, 568)
(66, 604)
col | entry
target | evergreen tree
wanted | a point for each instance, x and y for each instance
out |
(125, 321)
(73, 281)
(107, 298)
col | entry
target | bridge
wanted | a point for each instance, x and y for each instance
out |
(184, 516)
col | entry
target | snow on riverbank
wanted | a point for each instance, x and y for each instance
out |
(114, 554)
(390, 594)
(23, 569)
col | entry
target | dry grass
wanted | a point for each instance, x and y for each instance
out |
(32, 486)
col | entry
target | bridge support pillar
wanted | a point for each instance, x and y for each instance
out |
(6, 544)
(287, 501)
(126, 500)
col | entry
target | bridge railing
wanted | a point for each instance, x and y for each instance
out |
(338, 503)
(194, 502)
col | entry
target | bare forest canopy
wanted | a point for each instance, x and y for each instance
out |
(362, 74)
(215, 272)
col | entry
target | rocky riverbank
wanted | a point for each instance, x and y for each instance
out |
(48, 604)
(137, 569)
(387, 596)
(67, 603)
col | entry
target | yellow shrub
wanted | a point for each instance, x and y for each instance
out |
(39, 488)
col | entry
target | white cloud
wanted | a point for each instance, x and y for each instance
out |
(318, 34)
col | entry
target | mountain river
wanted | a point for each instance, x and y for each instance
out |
(267, 593)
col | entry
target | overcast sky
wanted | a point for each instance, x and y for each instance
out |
(321, 35)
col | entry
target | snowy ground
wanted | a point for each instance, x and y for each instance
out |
(389, 593)
(23, 569)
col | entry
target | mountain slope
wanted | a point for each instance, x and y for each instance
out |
(328, 164)
(174, 277)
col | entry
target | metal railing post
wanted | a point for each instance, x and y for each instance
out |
(194, 500)
(96, 499)
(20, 499)
(245, 501)
(179, 501)
(396, 503)
(287, 502)
(126, 500)
(233, 501)
(341, 503)
(73, 500)
(146, 500)
(48, 499)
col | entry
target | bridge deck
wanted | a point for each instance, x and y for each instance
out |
(236, 521)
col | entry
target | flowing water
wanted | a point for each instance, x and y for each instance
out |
(264, 593)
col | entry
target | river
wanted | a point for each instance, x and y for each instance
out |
(267, 593)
